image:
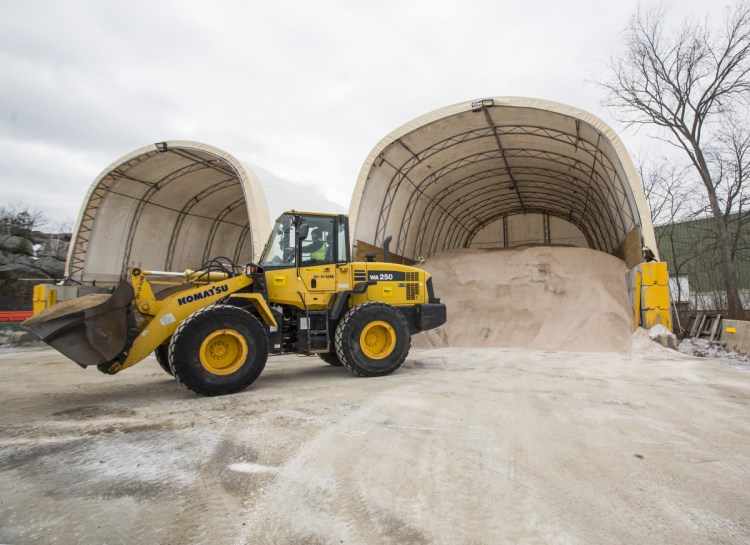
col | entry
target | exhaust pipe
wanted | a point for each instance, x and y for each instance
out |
(386, 248)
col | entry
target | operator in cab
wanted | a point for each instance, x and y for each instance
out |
(317, 248)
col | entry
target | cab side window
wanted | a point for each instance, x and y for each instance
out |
(341, 253)
(317, 247)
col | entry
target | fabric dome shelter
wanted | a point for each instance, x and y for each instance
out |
(496, 173)
(168, 206)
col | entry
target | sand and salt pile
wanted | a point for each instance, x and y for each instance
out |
(67, 307)
(543, 297)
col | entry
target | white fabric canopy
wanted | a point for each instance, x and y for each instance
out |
(168, 206)
(436, 182)
(461, 176)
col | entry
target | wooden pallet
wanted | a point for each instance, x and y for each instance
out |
(704, 326)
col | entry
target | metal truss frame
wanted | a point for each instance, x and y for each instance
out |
(583, 187)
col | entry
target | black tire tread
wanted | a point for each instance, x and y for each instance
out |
(162, 356)
(184, 329)
(341, 335)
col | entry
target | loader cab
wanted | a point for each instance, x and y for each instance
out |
(305, 239)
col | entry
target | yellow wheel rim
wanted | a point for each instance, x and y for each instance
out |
(378, 339)
(223, 352)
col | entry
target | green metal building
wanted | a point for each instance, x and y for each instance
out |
(690, 250)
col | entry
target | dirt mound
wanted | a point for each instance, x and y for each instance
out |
(536, 297)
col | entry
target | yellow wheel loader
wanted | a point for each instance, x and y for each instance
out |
(213, 328)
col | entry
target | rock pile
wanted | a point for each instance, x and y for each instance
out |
(23, 260)
(45, 254)
(706, 349)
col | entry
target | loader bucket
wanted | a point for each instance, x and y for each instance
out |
(90, 330)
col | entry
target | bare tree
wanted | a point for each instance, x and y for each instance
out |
(671, 200)
(731, 163)
(18, 219)
(690, 83)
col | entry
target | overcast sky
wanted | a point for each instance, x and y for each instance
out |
(302, 89)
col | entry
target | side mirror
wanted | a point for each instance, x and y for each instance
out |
(303, 231)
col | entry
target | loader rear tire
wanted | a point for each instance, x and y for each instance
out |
(162, 356)
(372, 339)
(218, 350)
(331, 359)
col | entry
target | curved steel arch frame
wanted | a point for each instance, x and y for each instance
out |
(482, 210)
(456, 168)
(196, 164)
(401, 171)
(504, 154)
(549, 178)
(541, 211)
(185, 212)
(594, 196)
(191, 158)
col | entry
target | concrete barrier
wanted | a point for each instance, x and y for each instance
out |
(736, 335)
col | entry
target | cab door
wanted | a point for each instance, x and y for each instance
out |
(317, 254)
(319, 278)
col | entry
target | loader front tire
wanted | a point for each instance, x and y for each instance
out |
(218, 350)
(372, 339)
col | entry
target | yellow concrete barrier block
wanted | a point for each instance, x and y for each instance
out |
(45, 296)
(657, 316)
(655, 297)
(655, 273)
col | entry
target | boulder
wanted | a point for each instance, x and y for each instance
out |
(16, 288)
(663, 336)
(19, 259)
(16, 245)
(55, 248)
(19, 337)
(53, 267)
(45, 266)
(22, 269)
(8, 258)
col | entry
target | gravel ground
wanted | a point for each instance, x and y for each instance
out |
(458, 446)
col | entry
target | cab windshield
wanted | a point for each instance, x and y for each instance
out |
(308, 238)
(280, 248)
